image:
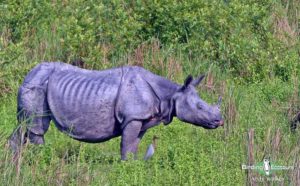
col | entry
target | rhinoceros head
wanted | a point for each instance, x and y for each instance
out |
(190, 108)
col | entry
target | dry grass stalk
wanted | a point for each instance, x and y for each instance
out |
(157, 60)
(231, 110)
(5, 37)
(139, 58)
(210, 81)
(148, 53)
(222, 88)
(42, 50)
(212, 85)
(267, 144)
(295, 177)
(209, 84)
(17, 160)
(4, 89)
(250, 157)
(285, 30)
(276, 141)
(105, 50)
(155, 51)
(173, 68)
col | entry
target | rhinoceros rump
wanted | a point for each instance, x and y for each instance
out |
(95, 106)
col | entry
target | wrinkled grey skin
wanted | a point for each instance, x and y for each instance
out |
(95, 106)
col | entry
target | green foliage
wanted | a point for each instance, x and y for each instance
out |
(244, 37)
(248, 49)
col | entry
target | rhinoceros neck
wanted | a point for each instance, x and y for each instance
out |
(164, 88)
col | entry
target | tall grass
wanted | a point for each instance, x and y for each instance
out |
(186, 155)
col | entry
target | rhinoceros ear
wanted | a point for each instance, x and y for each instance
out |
(197, 81)
(187, 81)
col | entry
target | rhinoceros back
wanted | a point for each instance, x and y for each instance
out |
(82, 102)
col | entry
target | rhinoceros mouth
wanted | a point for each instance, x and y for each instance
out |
(210, 126)
(206, 125)
(213, 125)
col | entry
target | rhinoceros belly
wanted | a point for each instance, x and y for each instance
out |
(82, 104)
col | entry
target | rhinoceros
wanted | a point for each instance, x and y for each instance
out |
(96, 106)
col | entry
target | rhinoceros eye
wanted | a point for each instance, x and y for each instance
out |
(199, 106)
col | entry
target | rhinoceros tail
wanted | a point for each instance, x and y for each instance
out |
(33, 112)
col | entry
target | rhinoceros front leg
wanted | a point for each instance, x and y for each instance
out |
(131, 138)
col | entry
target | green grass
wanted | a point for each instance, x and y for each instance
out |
(248, 49)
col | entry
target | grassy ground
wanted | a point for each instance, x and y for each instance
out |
(249, 51)
(186, 155)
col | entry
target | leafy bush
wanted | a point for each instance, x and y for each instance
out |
(242, 37)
